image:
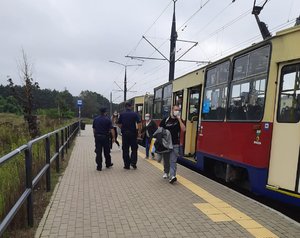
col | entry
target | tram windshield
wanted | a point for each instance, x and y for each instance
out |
(248, 86)
(215, 94)
(289, 99)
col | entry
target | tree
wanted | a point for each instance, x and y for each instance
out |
(65, 103)
(26, 96)
(92, 102)
(10, 105)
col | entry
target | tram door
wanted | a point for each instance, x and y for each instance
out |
(284, 166)
(192, 116)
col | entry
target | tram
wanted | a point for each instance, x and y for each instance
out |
(140, 104)
(242, 116)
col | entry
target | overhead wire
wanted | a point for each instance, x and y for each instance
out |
(194, 14)
(292, 3)
(150, 27)
(215, 17)
(228, 24)
(256, 37)
(201, 7)
(236, 47)
(221, 29)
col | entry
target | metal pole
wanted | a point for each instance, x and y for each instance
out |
(66, 139)
(57, 151)
(125, 84)
(110, 105)
(79, 117)
(28, 168)
(125, 77)
(173, 47)
(48, 172)
(62, 144)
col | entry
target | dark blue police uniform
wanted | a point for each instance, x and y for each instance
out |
(102, 125)
(128, 120)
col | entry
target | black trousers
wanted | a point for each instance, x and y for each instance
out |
(129, 140)
(102, 144)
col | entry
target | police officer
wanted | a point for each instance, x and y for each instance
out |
(128, 122)
(102, 125)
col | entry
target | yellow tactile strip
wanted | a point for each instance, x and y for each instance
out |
(218, 210)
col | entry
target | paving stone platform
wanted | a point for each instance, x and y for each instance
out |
(140, 203)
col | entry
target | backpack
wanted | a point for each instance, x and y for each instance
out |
(158, 144)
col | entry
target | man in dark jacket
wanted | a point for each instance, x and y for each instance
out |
(102, 125)
(128, 122)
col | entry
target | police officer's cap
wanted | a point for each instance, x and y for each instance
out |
(103, 109)
(127, 104)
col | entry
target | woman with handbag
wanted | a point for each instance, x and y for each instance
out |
(148, 129)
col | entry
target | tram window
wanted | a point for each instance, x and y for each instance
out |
(158, 94)
(178, 99)
(148, 104)
(240, 67)
(215, 94)
(168, 91)
(247, 100)
(167, 100)
(166, 108)
(258, 61)
(223, 72)
(157, 110)
(248, 87)
(139, 109)
(157, 103)
(194, 106)
(289, 100)
(211, 77)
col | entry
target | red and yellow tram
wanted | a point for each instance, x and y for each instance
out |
(242, 116)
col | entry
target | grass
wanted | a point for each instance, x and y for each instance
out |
(13, 133)
(41, 201)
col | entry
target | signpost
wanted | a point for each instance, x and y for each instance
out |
(79, 105)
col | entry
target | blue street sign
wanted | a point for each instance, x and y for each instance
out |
(79, 102)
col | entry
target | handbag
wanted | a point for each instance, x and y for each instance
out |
(152, 147)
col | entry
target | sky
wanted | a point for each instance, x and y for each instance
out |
(69, 43)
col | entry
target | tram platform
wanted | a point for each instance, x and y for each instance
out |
(140, 203)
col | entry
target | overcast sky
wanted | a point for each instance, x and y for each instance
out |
(70, 42)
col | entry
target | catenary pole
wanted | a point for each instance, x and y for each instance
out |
(125, 76)
(173, 40)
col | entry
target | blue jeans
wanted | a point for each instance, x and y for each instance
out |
(147, 144)
(170, 161)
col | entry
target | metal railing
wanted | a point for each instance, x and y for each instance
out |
(63, 137)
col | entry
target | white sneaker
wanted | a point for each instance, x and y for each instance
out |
(173, 179)
(165, 176)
